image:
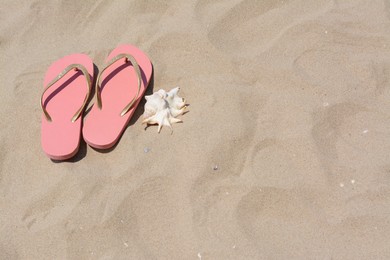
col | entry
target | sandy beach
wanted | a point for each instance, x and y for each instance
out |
(284, 153)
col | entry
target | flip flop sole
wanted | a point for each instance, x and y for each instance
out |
(60, 138)
(103, 127)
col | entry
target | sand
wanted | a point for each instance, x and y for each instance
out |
(283, 155)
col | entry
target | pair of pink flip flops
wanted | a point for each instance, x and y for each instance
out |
(119, 88)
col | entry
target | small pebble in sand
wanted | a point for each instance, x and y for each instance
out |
(215, 168)
(365, 131)
(353, 181)
(146, 150)
(199, 256)
(326, 32)
(325, 104)
(227, 193)
(122, 221)
(234, 247)
(126, 245)
(341, 185)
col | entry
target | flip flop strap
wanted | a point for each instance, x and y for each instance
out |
(77, 67)
(128, 58)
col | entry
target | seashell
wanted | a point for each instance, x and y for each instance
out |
(163, 107)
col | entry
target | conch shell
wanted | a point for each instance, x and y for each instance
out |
(163, 107)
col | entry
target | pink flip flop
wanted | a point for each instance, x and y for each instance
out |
(123, 83)
(67, 88)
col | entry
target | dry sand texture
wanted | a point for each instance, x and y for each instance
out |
(290, 99)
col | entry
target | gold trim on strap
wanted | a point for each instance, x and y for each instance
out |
(127, 57)
(77, 67)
